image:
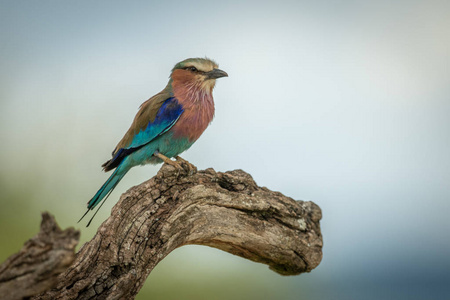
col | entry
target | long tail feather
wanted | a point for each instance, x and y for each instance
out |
(103, 202)
(105, 190)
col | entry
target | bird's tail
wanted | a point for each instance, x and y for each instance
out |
(106, 189)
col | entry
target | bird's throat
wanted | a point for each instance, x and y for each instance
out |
(198, 110)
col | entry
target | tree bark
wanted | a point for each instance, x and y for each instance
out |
(35, 268)
(227, 211)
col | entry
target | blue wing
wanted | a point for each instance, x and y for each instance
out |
(168, 114)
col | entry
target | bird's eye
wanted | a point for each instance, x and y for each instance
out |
(192, 69)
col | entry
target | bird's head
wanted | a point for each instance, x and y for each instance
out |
(196, 73)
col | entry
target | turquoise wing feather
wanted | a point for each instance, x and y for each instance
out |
(167, 115)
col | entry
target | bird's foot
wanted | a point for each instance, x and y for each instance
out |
(180, 164)
(168, 161)
(191, 168)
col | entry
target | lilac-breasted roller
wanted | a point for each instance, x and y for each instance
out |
(166, 124)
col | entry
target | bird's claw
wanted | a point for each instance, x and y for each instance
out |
(175, 164)
(191, 169)
(180, 164)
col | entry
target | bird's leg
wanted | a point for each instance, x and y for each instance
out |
(192, 168)
(168, 161)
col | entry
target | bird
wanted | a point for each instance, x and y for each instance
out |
(165, 125)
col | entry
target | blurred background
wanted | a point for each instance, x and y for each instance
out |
(350, 98)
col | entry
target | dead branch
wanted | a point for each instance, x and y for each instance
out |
(227, 211)
(35, 268)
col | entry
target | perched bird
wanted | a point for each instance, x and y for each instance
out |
(166, 124)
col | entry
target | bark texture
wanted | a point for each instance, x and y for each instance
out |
(227, 211)
(35, 268)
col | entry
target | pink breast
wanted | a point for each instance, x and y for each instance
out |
(198, 113)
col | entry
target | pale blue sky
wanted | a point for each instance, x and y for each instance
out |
(345, 103)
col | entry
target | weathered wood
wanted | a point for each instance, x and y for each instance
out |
(35, 268)
(227, 211)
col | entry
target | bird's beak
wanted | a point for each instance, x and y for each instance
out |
(216, 73)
